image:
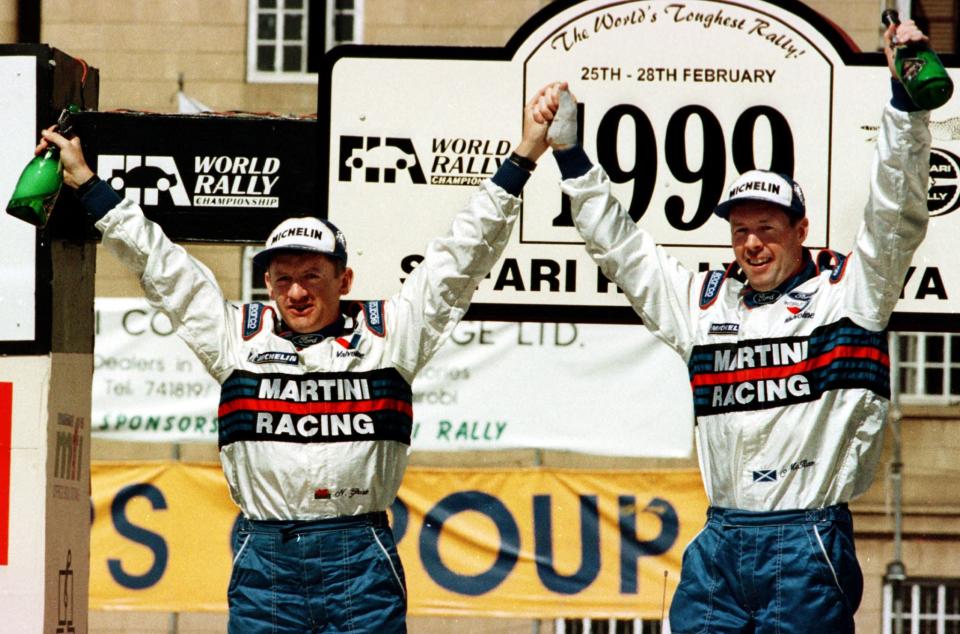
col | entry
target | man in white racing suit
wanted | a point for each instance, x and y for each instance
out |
(315, 412)
(788, 366)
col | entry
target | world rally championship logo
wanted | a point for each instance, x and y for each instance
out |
(218, 181)
(453, 161)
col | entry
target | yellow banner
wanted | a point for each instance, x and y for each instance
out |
(537, 543)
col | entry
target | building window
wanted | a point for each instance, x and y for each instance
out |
(930, 606)
(608, 626)
(346, 18)
(287, 38)
(927, 367)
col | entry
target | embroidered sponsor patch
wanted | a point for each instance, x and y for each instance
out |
(350, 347)
(766, 297)
(252, 319)
(711, 288)
(373, 312)
(290, 358)
(724, 329)
(765, 475)
(798, 301)
(753, 374)
(306, 340)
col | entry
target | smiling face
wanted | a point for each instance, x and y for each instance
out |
(768, 248)
(307, 288)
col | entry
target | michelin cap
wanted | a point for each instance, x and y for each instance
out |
(765, 186)
(308, 234)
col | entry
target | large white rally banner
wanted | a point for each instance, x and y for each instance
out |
(676, 99)
(600, 389)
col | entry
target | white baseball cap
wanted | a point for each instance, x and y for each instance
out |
(307, 234)
(766, 186)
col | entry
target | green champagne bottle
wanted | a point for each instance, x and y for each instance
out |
(920, 70)
(39, 184)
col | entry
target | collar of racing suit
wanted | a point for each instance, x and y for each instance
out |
(754, 298)
(304, 339)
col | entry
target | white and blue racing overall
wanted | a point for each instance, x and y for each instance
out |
(315, 429)
(790, 388)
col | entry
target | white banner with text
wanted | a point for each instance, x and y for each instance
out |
(591, 388)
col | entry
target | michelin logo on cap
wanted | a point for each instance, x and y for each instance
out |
(764, 186)
(308, 234)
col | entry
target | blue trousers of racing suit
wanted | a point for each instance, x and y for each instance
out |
(336, 575)
(783, 572)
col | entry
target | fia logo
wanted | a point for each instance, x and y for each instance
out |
(379, 159)
(143, 178)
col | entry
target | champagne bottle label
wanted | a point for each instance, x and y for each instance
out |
(911, 68)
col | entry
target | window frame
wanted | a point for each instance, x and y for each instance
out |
(915, 617)
(608, 626)
(920, 394)
(357, 12)
(256, 76)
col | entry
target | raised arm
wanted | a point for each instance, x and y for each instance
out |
(896, 215)
(172, 281)
(437, 294)
(658, 287)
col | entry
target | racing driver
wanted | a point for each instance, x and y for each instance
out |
(315, 410)
(789, 368)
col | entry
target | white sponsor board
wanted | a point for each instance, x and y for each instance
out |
(677, 99)
(18, 108)
(593, 388)
(493, 385)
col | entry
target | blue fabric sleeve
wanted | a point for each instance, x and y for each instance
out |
(900, 99)
(573, 162)
(99, 199)
(511, 177)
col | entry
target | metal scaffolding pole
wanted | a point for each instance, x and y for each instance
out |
(896, 570)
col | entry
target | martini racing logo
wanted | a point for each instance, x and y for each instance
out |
(453, 161)
(219, 181)
(943, 196)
